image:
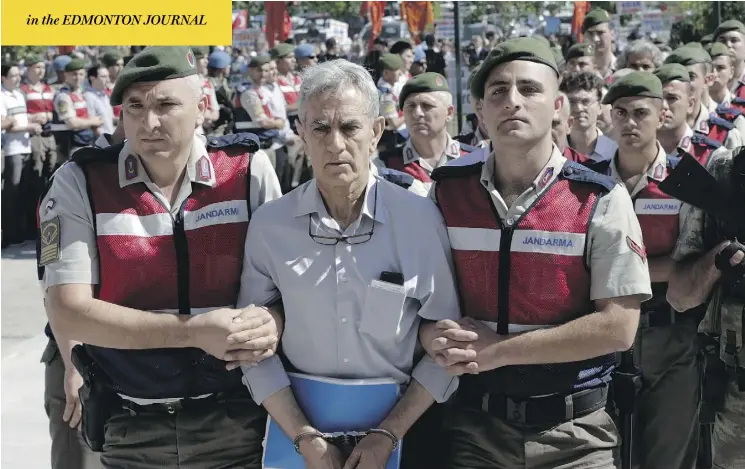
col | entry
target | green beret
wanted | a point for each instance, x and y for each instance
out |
(558, 56)
(671, 72)
(642, 84)
(708, 39)
(200, 51)
(583, 49)
(391, 62)
(32, 59)
(110, 59)
(154, 63)
(694, 44)
(521, 48)
(282, 50)
(688, 55)
(542, 39)
(718, 49)
(424, 83)
(75, 64)
(259, 61)
(594, 18)
(729, 25)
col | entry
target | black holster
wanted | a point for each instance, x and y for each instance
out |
(96, 399)
(627, 384)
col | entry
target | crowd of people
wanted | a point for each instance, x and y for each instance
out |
(198, 240)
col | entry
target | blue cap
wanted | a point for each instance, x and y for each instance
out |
(303, 51)
(419, 54)
(59, 63)
(219, 59)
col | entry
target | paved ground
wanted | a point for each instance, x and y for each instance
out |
(25, 437)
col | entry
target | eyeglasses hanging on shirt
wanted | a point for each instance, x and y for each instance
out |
(353, 239)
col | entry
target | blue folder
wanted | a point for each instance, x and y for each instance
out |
(332, 406)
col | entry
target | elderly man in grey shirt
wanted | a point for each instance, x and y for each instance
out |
(362, 267)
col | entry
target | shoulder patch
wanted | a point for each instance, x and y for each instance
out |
(398, 178)
(244, 139)
(49, 237)
(577, 172)
(639, 250)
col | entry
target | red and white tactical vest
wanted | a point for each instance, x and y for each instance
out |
(118, 108)
(208, 90)
(290, 87)
(395, 160)
(658, 217)
(152, 261)
(530, 272)
(242, 117)
(38, 102)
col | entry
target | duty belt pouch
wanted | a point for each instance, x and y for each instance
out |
(731, 348)
(714, 380)
(96, 399)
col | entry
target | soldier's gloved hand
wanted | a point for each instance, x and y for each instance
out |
(729, 261)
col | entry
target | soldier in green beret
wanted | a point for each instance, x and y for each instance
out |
(141, 250)
(518, 374)
(288, 80)
(581, 58)
(428, 108)
(643, 109)
(707, 40)
(706, 118)
(597, 31)
(731, 33)
(723, 64)
(72, 125)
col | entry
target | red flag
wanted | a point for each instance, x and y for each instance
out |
(276, 22)
(580, 10)
(418, 15)
(240, 19)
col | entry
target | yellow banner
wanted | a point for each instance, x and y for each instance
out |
(105, 23)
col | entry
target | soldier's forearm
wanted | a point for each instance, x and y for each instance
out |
(692, 280)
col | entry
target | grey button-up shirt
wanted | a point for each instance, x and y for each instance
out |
(341, 321)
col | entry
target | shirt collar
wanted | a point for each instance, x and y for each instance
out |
(657, 170)
(702, 120)
(452, 151)
(545, 176)
(311, 201)
(199, 167)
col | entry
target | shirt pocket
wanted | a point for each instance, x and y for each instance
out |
(382, 313)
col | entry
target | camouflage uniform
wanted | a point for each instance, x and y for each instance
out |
(698, 236)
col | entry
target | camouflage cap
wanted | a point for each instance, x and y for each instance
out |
(718, 50)
(729, 25)
(391, 62)
(110, 59)
(75, 64)
(424, 83)
(672, 72)
(594, 18)
(155, 63)
(33, 59)
(259, 61)
(688, 55)
(583, 49)
(282, 50)
(521, 48)
(641, 84)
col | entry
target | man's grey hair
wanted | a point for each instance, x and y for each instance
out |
(335, 76)
(644, 47)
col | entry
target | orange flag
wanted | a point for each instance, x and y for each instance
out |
(375, 11)
(418, 15)
(580, 10)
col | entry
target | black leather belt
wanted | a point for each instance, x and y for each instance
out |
(181, 404)
(537, 411)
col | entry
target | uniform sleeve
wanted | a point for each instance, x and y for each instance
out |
(437, 294)
(252, 104)
(617, 261)
(64, 106)
(690, 239)
(418, 188)
(67, 205)
(264, 181)
(388, 106)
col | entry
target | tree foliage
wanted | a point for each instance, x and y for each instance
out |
(704, 18)
(17, 53)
